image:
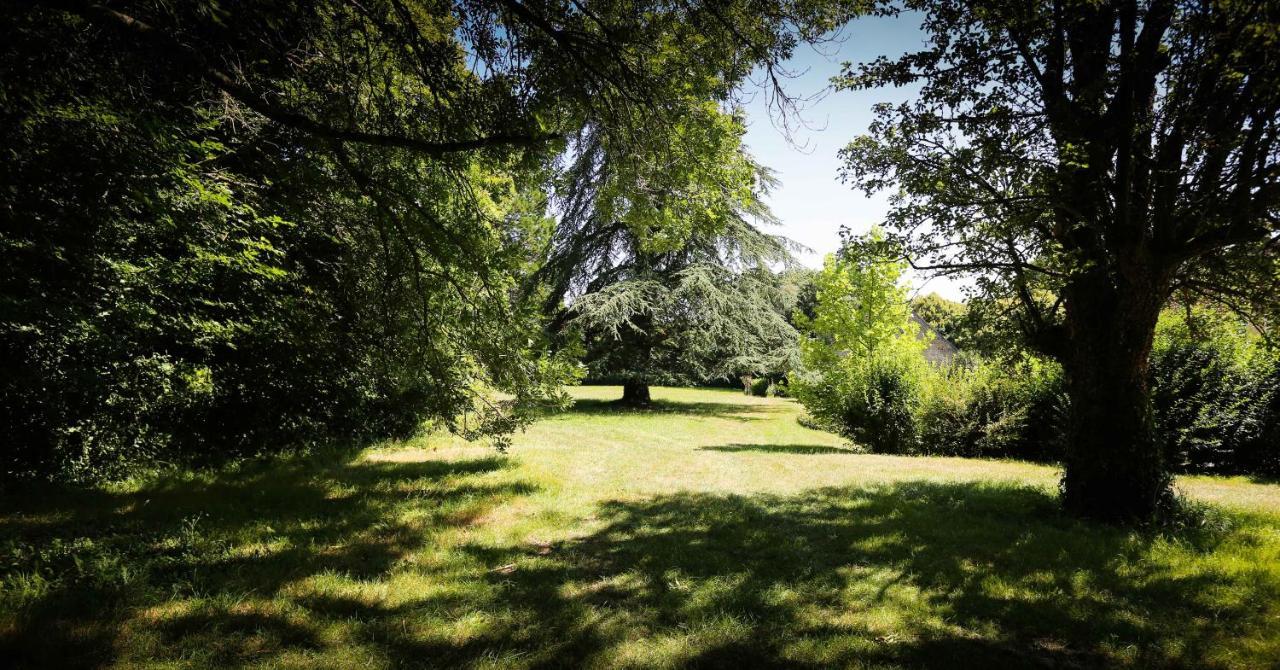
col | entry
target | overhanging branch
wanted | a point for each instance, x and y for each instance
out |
(102, 14)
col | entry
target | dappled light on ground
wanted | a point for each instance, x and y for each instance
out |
(699, 541)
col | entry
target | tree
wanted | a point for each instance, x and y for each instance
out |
(1087, 159)
(180, 284)
(661, 308)
(861, 358)
(268, 221)
(681, 325)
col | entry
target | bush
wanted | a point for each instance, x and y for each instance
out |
(982, 410)
(874, 405)
(1259, 434)
(1216, 395)
(881, 412)
(949, 424)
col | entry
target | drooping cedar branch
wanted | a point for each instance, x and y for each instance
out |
(102, 14)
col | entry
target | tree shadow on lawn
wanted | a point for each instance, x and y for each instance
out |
(719, 410)
(914, 574)
(208, 551)
(801, 449)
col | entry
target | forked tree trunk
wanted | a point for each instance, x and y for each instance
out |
(635, 393)
(1114, 470)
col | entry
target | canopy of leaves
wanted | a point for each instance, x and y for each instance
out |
(1052, 140)
(863, 310)
(235, 225)
(656, 308)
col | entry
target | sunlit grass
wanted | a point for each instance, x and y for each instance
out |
(712, 530)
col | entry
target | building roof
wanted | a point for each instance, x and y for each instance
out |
(940, 350)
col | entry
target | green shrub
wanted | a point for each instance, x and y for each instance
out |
(1258, 449)
(983, 410)
(1215, 394)
(949, 425)
(882, 409)
(760, 386)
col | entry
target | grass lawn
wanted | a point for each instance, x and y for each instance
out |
(712, 531)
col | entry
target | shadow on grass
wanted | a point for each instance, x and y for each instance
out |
(801, 449)
(915, 574)
(720, 410)
(83, 559)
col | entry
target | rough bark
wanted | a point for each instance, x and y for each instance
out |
(1113, 469)
(635, 393)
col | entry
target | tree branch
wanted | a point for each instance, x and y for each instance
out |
(99, 13)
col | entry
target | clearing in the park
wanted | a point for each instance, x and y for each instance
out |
(711, 530)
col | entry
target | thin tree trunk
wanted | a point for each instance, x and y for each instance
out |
(635, 393)
(1114, 470)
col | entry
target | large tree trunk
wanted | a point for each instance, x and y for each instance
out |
(1114, 470)
(635, 393)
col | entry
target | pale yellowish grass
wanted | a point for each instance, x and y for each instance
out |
(741, 444)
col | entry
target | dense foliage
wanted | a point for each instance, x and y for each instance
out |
(1216, 389)
(861, 362)
(178, 284)
(1215, 383)
(1083, 160)
(233, 227)
(995, 409)
(1215, 378)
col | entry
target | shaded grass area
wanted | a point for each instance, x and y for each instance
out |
(658, 407)
(439, 555)
(195, 566)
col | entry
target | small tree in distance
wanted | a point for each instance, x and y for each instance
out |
(861, 361)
